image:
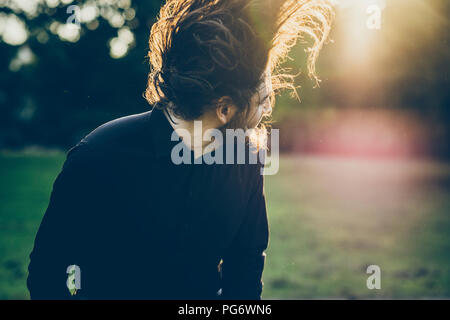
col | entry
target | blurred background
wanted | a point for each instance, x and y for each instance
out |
(364, 174)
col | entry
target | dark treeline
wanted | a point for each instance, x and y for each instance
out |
(70, 88)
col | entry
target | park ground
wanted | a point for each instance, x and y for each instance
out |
(330, 218)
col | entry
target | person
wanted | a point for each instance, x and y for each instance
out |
(127, 221)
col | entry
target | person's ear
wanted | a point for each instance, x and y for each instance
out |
(225, 110)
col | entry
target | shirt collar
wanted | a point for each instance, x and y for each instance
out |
(161, 133)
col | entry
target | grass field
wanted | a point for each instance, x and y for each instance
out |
(329, 219)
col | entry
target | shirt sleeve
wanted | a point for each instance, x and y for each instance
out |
(243, 263)
(62, 232)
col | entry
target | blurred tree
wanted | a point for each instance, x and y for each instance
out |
(59, 81)
(404, 66)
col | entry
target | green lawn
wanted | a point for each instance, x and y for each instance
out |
(329, 219)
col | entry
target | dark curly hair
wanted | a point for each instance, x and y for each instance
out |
(203, 50)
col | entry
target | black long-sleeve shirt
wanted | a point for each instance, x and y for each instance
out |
(140, 227)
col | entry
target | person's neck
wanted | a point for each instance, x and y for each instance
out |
(192, 132)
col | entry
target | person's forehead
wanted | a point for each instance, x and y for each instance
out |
(266, 75)
(266, 84)
(269, 81)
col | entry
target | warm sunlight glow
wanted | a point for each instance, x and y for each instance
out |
(362, 20)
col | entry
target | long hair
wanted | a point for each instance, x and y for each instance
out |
(203, 50)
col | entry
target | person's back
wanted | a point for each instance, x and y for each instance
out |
(133, 213)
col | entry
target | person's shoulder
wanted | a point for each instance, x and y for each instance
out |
(118, 133)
